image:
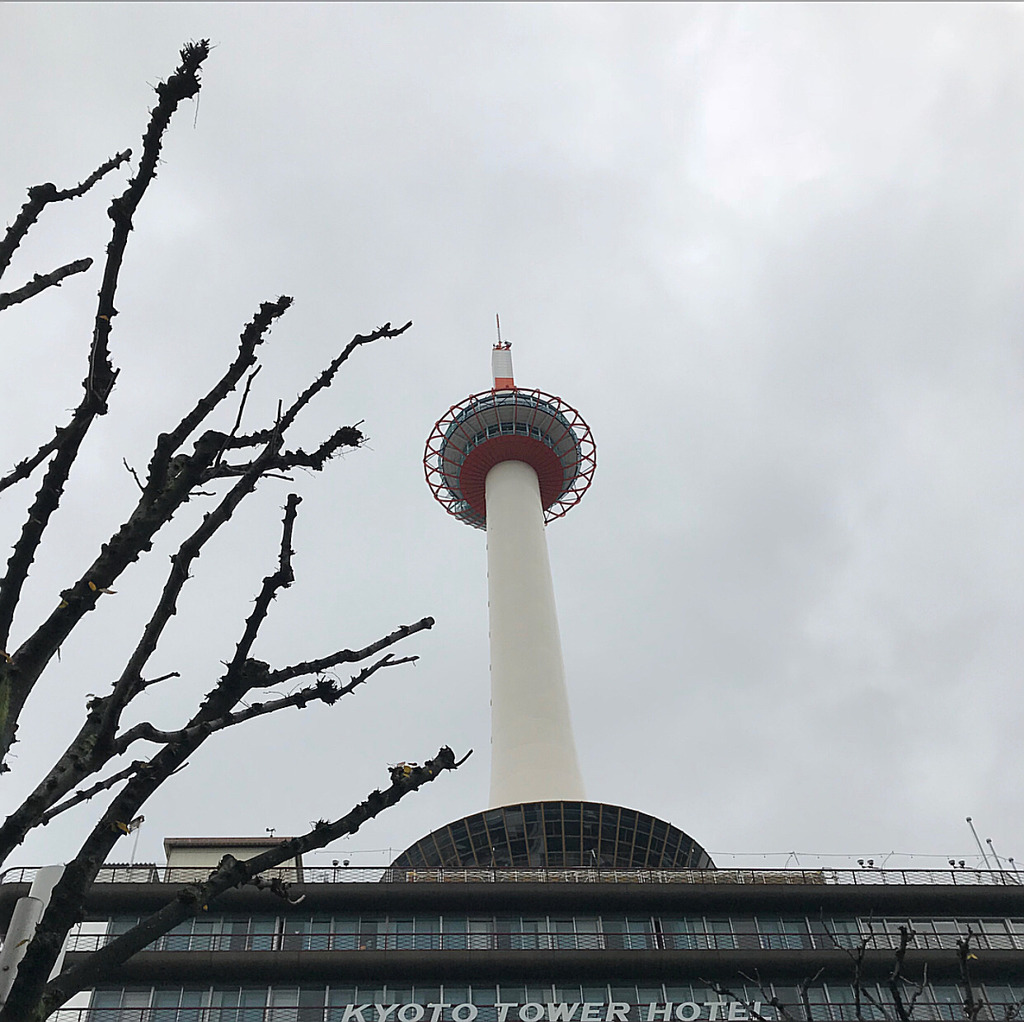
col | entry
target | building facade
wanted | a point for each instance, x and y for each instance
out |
(561, 944)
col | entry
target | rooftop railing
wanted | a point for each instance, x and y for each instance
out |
(152, 874)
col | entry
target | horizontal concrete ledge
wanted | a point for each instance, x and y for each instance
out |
(659, 899)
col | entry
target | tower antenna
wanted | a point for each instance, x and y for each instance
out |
(498, 322)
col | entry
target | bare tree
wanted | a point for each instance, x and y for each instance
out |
(189, 458)
(973, 1003)
(905, 993)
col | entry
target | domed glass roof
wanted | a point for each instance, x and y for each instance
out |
(556, 835)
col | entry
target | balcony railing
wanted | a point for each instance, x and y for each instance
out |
(151, 874)
(546, 941)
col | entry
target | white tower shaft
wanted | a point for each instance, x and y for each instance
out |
(533, 754)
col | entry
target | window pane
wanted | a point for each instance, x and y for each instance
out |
(453, 931)
(684, 935)
(368, 934)
(480, 933)
(346, 935)
(720, 934)
(178, 938)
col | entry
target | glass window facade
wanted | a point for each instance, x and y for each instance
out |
(459, 931)
(533, 1001)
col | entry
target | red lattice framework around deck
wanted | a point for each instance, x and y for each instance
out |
(509, 425)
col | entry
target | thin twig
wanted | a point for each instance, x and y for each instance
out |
(133, 473)
(145, 683)
(253, 335)
(245, 397)
(272, 584)
(238, 418)
(752, 1007)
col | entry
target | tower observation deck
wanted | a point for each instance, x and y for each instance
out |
(508, 423)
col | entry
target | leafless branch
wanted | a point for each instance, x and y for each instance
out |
(324, 691)
(873, 1001)
(325, 378)
(918, 990)
(347, 436)
(172, 477)
(18, 679)
(40, 282)
(87, 793)
(39, 196)
(897, 979)
(856, 956)
(752, 1007)
(253, 335)
(769, 997)
(973, 1004)
(126, 545)
(803, 995)
(347, 656)
(94, 746)
(194, 898)
(25, 467)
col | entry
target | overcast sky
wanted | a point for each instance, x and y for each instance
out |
(773, 254)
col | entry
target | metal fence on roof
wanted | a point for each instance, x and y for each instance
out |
(153, 874)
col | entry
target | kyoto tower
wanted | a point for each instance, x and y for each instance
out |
(509, 460)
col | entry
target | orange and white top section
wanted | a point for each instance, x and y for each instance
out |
(501, 366)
